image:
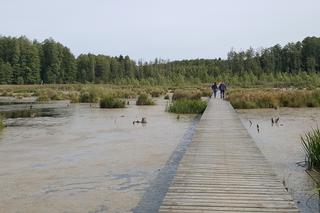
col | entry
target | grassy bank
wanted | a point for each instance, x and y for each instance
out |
(272, 98)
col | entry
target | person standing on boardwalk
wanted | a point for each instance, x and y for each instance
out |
(222, 88)
(214, 88)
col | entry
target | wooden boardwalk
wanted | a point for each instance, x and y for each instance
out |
(223, 170)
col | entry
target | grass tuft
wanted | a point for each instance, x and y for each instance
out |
(187, 106)
(144, 99)
(110, 102)
(311, 145)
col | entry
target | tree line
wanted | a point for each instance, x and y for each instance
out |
(23, 61)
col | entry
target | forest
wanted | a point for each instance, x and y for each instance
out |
(23, 61)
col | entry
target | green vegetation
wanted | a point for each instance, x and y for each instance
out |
(311, 145)
(1, 123)
(191, 94)
(188, 106)
(144, 99)
(272, 98)
(111, 102)
(23, 61)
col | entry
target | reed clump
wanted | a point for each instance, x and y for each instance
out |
(311, 145)
(187, 94)
(144, 99)
(188, 106)
(273, 98)
(111, 102)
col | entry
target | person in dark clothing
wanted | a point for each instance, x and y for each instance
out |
(222, 88)
(214, 88)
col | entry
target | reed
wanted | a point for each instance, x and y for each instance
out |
(311, 145)
(111, 102)
(188, 106)
(187, 94)
(272, 98)
(144, 99)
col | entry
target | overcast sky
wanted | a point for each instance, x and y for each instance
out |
(169, 29)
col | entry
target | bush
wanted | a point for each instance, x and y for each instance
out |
(144, 99)
(188, 106)
(110, 102)
(311, 145)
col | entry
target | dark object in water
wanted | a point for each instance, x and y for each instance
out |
(258, 128)
(272, 122)
(143, 121)
(277, 120)
(250, 123)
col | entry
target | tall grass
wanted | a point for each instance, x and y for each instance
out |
(187, 94)
(272, 98)
(187, 106)
(144, 99)
(111, 102)
(311, 145)
(1, 122)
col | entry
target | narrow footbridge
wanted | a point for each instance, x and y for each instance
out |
(223, 170)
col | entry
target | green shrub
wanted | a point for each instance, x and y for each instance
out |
(110, 102)
(144, 99)
(188, 106)
(311, 145)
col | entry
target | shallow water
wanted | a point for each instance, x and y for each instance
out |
(86, 159)
(282, 147)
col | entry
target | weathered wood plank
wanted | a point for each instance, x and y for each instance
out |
(224, 171)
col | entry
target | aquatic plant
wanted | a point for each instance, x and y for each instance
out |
(311, 146)
(272, 98)
(187, 106)
(2, 125)
(111, 102)
(186, 94)
(144, 99)
(43, 97)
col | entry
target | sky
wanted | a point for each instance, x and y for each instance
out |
(167, 29)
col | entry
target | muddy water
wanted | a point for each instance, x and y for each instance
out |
(86, 159)
(282, 147)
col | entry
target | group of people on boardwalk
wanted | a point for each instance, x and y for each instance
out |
(222, 87)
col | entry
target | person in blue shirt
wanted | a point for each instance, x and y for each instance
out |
(222, 88)
(214, 88)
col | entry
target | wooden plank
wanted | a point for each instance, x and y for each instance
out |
(224, 171)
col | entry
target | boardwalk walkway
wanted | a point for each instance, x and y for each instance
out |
(224, 171)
